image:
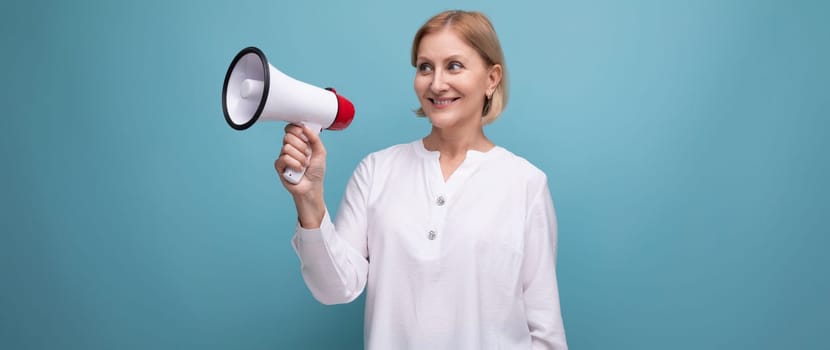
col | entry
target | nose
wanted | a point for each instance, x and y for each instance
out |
(438, 84)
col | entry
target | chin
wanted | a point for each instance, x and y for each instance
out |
(443, 120)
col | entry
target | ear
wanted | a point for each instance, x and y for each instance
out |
(494, 77)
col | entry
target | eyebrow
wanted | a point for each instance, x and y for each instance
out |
(454, 57)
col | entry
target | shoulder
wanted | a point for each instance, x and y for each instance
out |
(390, 156)
(517, 166)
(403, 151)
(395, 151)
(512, 175)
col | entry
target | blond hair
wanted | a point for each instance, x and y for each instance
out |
(478, 32)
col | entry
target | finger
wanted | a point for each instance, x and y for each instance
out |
(281, 165)
(297, 154)
(296, 144)
(294, 136)
(296, 130)
(293, 128)
(286, 162)
(290, 163)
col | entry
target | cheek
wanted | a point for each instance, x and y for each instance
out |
(485, 82)
(420, 85)
(470, 83)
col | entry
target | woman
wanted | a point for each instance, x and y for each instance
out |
(453, 237)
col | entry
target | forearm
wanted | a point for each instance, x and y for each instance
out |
(545, 320)
(333, 271)
(311, 208)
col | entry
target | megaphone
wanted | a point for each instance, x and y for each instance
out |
(254, 90)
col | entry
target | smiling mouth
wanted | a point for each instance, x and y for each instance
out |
(443, 101)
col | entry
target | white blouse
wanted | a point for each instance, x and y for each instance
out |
(469, 263)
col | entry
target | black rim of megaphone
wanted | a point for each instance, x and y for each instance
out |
(265, 88)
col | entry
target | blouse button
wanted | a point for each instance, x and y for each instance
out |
(431, 236)
(440, 201)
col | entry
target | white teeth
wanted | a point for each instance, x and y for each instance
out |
(442, 102)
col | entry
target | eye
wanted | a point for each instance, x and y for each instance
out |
(455, 65)
(424, 68)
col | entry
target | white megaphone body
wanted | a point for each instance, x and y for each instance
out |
(254, 90)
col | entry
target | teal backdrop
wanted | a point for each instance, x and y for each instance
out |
(685, 141)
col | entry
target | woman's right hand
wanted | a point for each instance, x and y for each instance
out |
(308, 193)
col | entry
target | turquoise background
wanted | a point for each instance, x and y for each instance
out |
(685, 143)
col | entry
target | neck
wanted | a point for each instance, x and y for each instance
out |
(455, 143)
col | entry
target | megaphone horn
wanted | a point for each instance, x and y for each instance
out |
(254, 90)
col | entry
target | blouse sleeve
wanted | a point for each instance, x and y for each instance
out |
(541, 292)
(334, 258)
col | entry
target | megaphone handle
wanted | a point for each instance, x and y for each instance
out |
(292, 176)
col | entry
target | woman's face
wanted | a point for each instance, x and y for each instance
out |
(452, 79)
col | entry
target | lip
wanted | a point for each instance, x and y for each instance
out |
(443, 102)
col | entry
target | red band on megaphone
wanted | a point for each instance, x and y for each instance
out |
(345, 112)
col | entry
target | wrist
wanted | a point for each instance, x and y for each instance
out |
(310, 210)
